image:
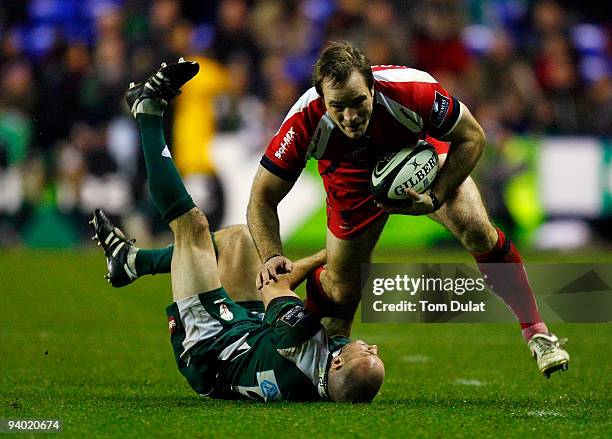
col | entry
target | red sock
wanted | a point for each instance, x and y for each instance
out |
(320, 304)
(317, 301)
(506, 276)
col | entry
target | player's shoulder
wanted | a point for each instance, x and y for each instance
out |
(310, 104)
(401, 75)
(287, 309)
(291, 321)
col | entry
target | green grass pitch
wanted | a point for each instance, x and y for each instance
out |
(73, 348)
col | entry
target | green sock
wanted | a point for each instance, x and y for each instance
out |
(165, 184)
(154, 261)
(158, 260)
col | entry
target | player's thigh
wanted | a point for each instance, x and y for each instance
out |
(238, 262)
(465, 215)
(194, 264)
(344, 257)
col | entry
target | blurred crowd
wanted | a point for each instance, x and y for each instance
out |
(68, 144)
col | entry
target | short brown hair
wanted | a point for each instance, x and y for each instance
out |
(337, 62)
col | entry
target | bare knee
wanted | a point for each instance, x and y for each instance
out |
(234, 238)
(478, 237)
(238, 235)
(466, 217)
(341, 291)
(192, 228)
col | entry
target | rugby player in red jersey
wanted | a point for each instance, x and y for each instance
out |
(352, 116)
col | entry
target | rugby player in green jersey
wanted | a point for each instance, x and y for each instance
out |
(223, 349)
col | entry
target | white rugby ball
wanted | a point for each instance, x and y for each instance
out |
(414, 168)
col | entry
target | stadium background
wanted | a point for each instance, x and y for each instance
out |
(535, 73)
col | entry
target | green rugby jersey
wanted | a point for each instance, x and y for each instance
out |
(227, 352)
(286, 359)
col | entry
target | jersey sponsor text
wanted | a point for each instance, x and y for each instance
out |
(285, 143)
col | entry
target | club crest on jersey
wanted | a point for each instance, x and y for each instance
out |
(294, 315)
(225, 313)
(285, 143)
(439, 110)
(171, 324)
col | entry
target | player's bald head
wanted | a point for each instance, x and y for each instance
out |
(336, 64)
(357, 378)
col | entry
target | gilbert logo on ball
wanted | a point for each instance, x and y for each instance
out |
(409, 168)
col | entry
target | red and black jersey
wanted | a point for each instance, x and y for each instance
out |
(409, 105)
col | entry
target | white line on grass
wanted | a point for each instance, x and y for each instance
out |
(545, 413)
(415, 358)
(467, 382)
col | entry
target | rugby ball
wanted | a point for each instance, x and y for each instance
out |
(414, 168)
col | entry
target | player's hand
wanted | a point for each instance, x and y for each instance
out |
(422, 204)
(271, 269)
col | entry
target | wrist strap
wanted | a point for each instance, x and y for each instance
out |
(435, 201)
(271, 256)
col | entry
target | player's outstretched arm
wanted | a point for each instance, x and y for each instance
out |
(286, 283)
(262, 218)
(303, 267)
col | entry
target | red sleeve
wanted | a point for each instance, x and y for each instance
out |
(421, 93)
(285, 156)
(440, 146)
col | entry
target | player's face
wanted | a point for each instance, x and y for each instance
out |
(358, 348)
(349, 104)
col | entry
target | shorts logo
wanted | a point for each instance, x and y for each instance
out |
(294, 315)
(225, 313)
(171, 324)
(269, 389)
(440, 109)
